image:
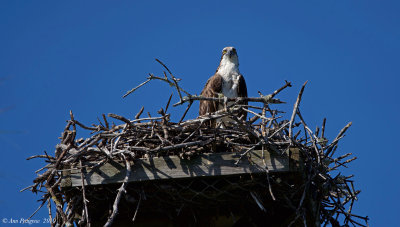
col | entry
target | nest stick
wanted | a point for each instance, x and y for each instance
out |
(137, 208)
(296, 106)
(84, 195)
(184, 113)
(335, 141)
(50, 212)
(323, 128)
(119, 195)
(135, 88)
(287, 84)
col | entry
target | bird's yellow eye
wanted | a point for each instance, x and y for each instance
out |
(224, 51)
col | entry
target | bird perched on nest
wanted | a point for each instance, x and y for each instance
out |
(227, 81)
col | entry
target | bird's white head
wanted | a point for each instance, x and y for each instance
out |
(229, 62)
(229, 54)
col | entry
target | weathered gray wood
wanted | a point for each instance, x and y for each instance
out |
(214, 164)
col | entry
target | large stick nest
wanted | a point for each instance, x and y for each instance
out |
(145, 137)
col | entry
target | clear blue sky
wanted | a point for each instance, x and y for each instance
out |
(57, 56)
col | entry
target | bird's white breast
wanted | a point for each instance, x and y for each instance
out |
(230, 76)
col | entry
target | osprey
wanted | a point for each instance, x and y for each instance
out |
(227, 81)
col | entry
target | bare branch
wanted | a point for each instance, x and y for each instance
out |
(296, 106)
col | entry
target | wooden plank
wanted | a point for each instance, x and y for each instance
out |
(215, 164)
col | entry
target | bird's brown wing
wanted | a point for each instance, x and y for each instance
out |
(242, 92)
(212, 88)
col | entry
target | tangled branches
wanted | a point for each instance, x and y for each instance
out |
(320, 199)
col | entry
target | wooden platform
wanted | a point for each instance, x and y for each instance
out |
(213, 164)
